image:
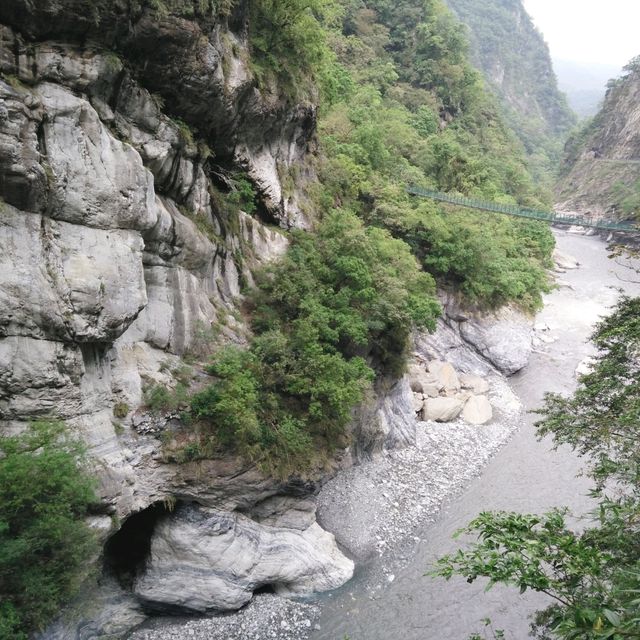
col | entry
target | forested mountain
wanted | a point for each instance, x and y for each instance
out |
(600, 174)
(516, 63)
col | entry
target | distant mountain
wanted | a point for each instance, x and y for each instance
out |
(516, 63)
(584, 83)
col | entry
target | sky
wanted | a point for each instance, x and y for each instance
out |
(593, 31)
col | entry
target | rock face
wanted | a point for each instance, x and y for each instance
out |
(502, 338)
(515, 60)
(600, 172)
(119, 256)
(204, 560)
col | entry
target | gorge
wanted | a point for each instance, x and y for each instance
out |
(269, 368)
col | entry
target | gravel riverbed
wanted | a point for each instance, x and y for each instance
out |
(373, 509)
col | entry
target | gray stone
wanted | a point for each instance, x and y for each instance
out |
(445, 376)
(475, 383)
(207, 560)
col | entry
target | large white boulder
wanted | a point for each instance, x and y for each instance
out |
(445, 376)
(442, 409)
(477, 410)
(207, 560)
(474, 383)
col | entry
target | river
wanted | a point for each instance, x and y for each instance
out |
(525, 475)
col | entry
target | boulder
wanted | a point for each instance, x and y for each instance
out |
(418, 402)
(477, 410)
(421, 381)
(474, 383)
(205, 560)
(564, 261)
(442, 409)
(585, 367)
(503, 337)
(445, 375)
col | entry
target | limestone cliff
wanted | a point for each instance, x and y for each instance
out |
(120, 130)
(601, 171)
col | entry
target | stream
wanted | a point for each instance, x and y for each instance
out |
(525, 475)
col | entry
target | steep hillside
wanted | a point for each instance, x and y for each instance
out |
(515, 61)
(601, 169)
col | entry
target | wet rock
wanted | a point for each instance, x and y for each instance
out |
(477, 410)
(564, 261)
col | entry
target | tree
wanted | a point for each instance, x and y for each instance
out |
(593, 577)
(44, 541)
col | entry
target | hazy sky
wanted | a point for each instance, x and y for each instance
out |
(606, 31)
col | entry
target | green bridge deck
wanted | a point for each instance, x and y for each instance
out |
(514, 210)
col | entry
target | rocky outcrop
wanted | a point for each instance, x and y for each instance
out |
(205, 560)
(121, 256)
(600, 174)
(501, 338)
(196, 61)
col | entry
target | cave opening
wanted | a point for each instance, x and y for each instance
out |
(127, 550)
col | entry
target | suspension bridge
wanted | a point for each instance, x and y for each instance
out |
(515, 210)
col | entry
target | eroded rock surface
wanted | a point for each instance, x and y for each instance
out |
(206, 560)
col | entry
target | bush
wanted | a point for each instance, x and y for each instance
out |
(44, 541)
(338, 298)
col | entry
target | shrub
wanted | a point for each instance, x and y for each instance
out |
(338, 298)
(44, 541)
(120, 410)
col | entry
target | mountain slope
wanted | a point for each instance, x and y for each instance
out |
(601, 170)
(516, 63)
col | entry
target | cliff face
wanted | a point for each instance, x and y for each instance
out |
(601, 171)
(515, 60)
(119, 251)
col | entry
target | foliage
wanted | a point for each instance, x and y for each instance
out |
(594, 575)
(628, 198)
(288, 43)
(44, 542)
(242, 195)
(417, 113)
(342, 295)
(516, 62)
(601, 419)
(160, 398)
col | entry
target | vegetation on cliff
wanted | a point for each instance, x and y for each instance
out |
(415, 111)
(593, 576)
(341, 304)
(600, 172)
(517, 66)
(44, 541)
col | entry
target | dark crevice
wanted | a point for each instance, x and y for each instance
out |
(126, 551)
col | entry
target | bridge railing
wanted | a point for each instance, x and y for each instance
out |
(514, 210)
